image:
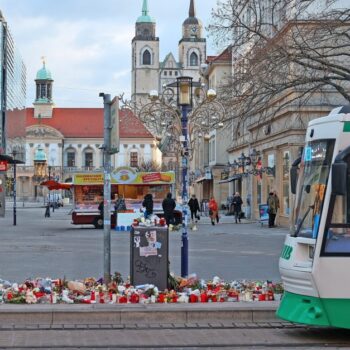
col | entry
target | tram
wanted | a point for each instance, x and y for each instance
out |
(315, 260)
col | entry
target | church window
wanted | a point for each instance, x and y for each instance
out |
(146, 57)
(43, 91)
(193, 59)
(134, 163)
(146, 32)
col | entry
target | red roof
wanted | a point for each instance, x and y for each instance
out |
(225, 56)
(88, 123)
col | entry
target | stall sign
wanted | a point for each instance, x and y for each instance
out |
(3, 165)
(88, 179)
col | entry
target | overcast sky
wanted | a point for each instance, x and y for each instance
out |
(87, 43)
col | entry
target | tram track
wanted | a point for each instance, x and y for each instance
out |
(175, 336)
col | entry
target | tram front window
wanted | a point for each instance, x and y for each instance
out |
(338, 231)
(313, 177)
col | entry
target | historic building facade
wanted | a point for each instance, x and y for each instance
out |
(69, 140)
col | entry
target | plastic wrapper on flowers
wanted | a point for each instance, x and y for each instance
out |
(118, 291)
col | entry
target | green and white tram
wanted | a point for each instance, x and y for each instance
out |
(315, 260)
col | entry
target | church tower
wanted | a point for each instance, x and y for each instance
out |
(192, 46)
(145, 57)
(43, 103)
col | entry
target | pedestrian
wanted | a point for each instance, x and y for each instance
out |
(273, 206)
(237, 206)
(168, 208)
(148, 204)
(213, 211)
(119, 204)
(194, 208)
(47, 210)
(101, 207)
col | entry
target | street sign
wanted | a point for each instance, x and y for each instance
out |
(114, 126)
(3, 165)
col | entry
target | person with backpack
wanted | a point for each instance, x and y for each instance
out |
(168, 207)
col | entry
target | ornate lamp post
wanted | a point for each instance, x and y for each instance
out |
(189, 116)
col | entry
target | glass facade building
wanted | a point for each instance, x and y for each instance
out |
(12, 95)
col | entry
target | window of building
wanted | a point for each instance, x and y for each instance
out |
(134, 162)
(176, 74)
(43, 91)
(193, 59)
(70, 159)
(165, 73)
(89, 159)
(170, 73)
(146, 57)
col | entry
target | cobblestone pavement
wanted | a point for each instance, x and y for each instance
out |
(54, 247)
(277, 335)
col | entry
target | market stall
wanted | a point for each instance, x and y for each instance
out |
(125, 181)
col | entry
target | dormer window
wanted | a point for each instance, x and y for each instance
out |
(146, 58)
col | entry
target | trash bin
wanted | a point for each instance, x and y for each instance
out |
(149, 255)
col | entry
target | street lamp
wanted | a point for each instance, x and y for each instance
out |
(189, 117)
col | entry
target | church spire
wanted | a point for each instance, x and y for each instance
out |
(192, 10)
(145, 8)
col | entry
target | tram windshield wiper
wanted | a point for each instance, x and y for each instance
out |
(311, 207)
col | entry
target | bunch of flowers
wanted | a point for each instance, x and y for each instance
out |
(118, 291)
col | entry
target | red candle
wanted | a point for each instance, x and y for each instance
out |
(9, 296)
(123, 300)
(134, 299)
(204, 298)
(214, 298)
(161, 298)
(193, 298)
(92, 296)
(262, 297)
(102, 297)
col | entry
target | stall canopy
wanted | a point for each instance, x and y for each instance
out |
(54, 185)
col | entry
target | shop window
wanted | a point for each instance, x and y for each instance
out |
(146, 57)
(134, 161)
(193, 59)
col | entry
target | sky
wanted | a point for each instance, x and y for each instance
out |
(87, 43)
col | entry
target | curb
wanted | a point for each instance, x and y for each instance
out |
(134, 313)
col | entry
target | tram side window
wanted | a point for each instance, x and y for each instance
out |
(338, 237)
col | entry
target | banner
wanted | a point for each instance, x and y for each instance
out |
(126, 176)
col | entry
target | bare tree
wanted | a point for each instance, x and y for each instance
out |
(285, 53)
(149, 166)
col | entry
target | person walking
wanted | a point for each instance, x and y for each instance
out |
(194, 207)
(273, 206)
(237, 206)
(168, 208)
(213, 211)
(148, 204)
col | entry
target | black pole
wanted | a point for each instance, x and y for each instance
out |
(14, 193)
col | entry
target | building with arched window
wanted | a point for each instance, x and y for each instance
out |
(71, 140)
(148, 72)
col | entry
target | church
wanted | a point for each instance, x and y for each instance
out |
(148, 71)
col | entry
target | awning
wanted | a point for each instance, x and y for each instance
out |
(201, 179)
(232, 178)
(10, 160)
(54, 185)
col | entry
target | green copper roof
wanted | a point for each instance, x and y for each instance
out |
(40, 155)
(43, 74)
(145, 18)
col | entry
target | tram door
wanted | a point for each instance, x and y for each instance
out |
(332, 271)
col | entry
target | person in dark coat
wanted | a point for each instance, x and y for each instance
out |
(168, 207)
(194, 207)
(101, 208)
(237, 206)
(148, 204)
(119, 204)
